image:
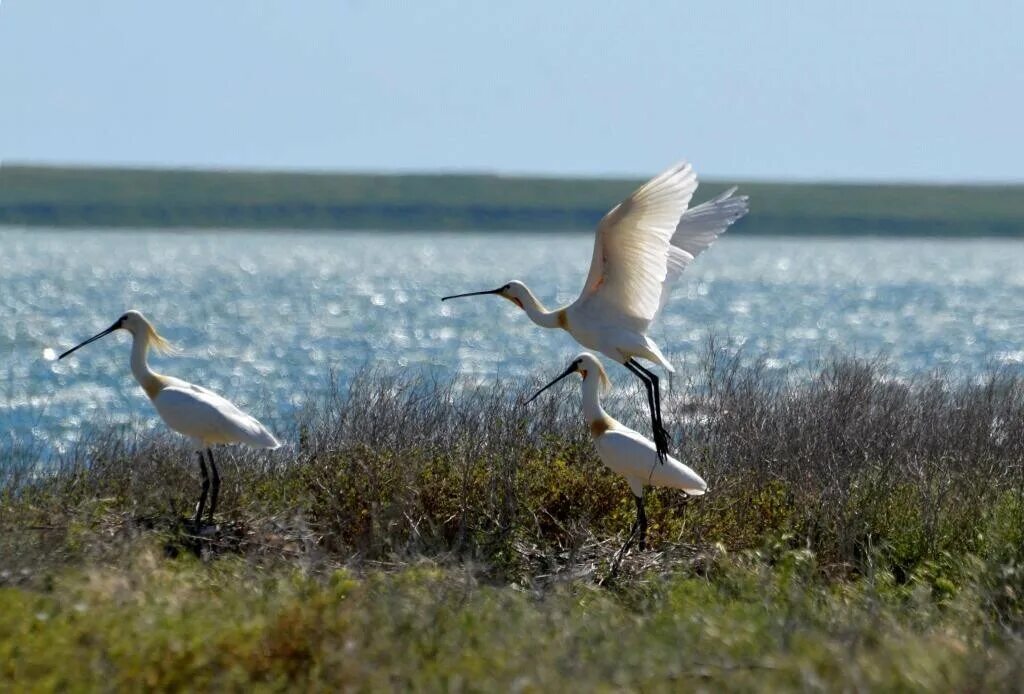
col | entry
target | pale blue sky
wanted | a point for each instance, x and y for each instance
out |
(912, 90)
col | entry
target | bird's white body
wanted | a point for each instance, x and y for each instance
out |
(641, 246)
(633, 456)
(203, 416)
(208, 419)
(625, 451)
(589, 328)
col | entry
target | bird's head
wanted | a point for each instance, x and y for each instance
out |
(515, 291)
(586, 365)
(589, 366)
(136, 324)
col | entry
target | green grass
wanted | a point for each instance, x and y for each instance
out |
(107, 197)
(752, 621)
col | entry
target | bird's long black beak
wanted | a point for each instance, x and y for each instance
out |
(459, 296)
(106, 332)
(568, 372)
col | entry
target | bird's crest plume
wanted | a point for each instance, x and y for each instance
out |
(602, 378)
(160, 343)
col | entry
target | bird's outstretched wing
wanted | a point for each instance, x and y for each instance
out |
(631, 250)
(698, 228)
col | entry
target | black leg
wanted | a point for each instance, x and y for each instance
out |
(653, 402)
(641, 519)
(639, 524)
(639, 373)
(655, 386)
(621, 553)
(215, 491)
(206, 488)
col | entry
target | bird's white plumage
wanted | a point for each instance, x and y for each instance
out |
(624, 450)
(198, 413)
(203, 416)
(640, 248)
(697, 230)
(631, 249)
(208, 418)
(633, 456)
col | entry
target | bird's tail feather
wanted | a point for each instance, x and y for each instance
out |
(259, 437)
(659, 358)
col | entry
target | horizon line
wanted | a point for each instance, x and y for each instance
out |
(493, 173)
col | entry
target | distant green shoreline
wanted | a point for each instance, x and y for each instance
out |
(43, 196)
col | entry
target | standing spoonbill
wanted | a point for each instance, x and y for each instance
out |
(203, 416)
(642, 246)
(622, 449)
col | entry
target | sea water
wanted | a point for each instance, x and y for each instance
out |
(267, 318)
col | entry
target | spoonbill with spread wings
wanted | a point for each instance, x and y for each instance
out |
(642, 246)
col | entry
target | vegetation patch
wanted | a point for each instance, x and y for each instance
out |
(860, 532)
(82, 197)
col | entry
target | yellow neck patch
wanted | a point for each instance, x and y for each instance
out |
(599, 426)
(153, 385)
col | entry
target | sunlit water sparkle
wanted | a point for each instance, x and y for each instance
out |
(265, 317)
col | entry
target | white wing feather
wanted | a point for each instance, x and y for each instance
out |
(634, 457)
(202, 414)
(631, 249)
(697, 230)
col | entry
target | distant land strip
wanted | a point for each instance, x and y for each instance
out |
(70, 197)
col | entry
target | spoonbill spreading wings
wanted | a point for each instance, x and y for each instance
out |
(642, 246)
(203, 416)
(623, 450)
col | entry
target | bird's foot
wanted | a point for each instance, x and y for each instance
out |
(661, 440)
(199, 529)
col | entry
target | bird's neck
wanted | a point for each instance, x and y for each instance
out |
(595, 415)
(150, 381)
(540, 315)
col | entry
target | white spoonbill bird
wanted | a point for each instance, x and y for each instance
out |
(622, 449)
(203, 416)
(642, 246)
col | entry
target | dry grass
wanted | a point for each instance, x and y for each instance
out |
(850, 464)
